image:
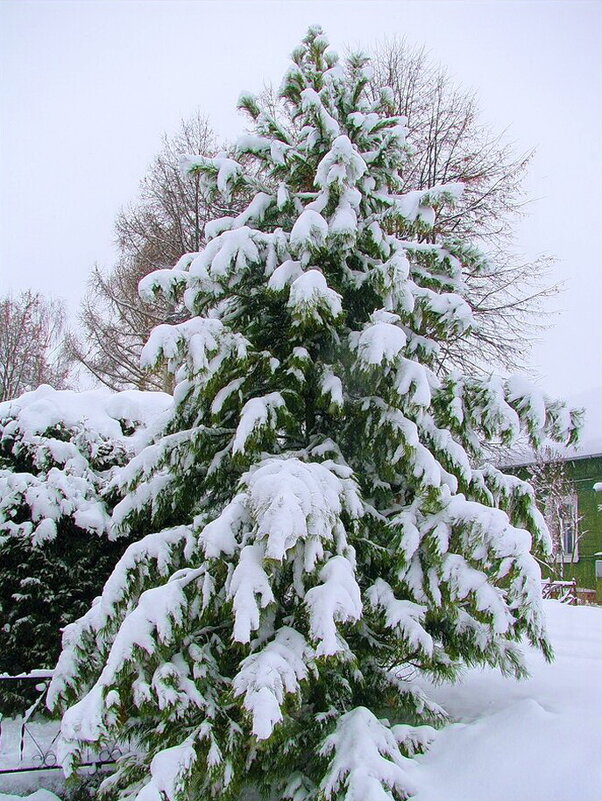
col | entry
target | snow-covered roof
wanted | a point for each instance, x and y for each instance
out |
(591, 436)
(590, 443)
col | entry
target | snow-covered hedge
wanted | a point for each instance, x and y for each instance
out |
(59, 451)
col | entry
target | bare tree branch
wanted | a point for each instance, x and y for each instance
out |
(31, 344)
(166, 220)
(452, 143)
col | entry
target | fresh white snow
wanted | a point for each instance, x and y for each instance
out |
(39, 795)
(538, 739)
(99, 409)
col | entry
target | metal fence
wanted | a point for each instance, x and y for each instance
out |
(28, 743)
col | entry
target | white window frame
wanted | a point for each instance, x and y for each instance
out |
(568, 557)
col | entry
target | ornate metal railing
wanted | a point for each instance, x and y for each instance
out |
(37, 739)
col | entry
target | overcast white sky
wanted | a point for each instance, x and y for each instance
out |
(87, 88)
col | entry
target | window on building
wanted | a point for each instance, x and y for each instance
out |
(567, 528)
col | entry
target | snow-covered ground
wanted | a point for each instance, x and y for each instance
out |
(533, 740)
(39, 795)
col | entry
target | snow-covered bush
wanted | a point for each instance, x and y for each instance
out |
(58, 454)
(324, 529)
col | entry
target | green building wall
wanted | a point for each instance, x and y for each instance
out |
(584, 473)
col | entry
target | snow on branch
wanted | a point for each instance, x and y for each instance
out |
(404, 616)
(291, 500)
(221, 172)
(336, 600)
(419, 204)
(170, 282)
(250, 591)
(381, 341)
(312, 300)
(257, 414)
(341, 166)
(203, 342)
(163, 550)
(366, 763)
(267, 675)
(168, 770)
(308, 234)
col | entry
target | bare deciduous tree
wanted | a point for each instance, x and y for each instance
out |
(31, 344)
(557, 498)
(166, 220)
(452, 143)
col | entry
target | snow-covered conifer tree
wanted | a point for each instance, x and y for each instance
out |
(324, 528)
(58, 454)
